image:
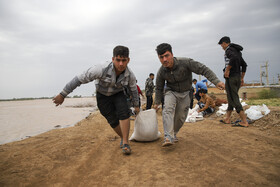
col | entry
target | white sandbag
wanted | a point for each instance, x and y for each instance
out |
(193, 115)
(257, 112)
(243, 104)
(199, 117)
(223, 109)
(146, 126)
(191, 118)
(220, 113)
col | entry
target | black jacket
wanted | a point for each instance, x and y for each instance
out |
(233, 53)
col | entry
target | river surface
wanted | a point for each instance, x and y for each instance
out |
(23, 119)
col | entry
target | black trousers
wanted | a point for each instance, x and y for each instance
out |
(149, 102)
(232, 87)
(191, 98)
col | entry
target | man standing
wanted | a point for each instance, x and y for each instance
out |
(177, 73)
(234, 72)
(200, 85)
(149, 90)
(112, 83)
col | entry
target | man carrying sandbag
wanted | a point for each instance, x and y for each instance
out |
(113, 81)
(177, 73)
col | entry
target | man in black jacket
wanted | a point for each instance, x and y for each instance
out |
(234, 72)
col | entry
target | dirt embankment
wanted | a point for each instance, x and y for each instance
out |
(208, 154)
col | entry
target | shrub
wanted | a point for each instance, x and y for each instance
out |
(267, 94)
(268, 102)
(77, 96)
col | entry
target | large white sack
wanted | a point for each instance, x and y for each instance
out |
(146, 126)
(193, 115)
(257, 112)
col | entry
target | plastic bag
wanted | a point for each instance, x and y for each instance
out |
(223, 108)
(257, 112)
(146, 126)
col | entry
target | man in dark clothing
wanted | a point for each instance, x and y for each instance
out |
(149, 90)
(234, 72)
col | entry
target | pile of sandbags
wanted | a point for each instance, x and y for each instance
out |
(193, 115)
(223, 109)
(253, 113)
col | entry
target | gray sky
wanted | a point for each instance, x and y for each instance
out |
(44, 44)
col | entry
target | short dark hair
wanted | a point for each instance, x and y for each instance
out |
(151, 74)
(194, 80)
(225, 39)
(162, 48)
(121, 51)
(202, 91)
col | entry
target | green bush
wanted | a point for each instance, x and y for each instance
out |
(268, 102)
(77, 96)
(267, 94)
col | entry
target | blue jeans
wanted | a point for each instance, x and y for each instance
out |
(209, 110)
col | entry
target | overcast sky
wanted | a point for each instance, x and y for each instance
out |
(44, 44)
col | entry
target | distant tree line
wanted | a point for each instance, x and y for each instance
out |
(35, 98)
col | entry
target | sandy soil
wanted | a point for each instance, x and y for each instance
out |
(208, 154)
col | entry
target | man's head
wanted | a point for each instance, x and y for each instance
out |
(165, 55)
(120, 58)
(202, 92)
(121, 51)
(224, 42)
(194, 81)
(152, 76)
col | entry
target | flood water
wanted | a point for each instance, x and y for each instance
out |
(22, 119)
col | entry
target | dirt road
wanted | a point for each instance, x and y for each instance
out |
(208, 154)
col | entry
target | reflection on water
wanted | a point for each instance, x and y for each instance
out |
(22, 119)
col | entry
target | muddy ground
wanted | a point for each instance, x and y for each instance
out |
(208, 153)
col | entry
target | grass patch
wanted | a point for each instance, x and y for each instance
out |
(267, 94)
(268, 102)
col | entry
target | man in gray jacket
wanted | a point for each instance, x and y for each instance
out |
(112, 83)
(177, 73)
